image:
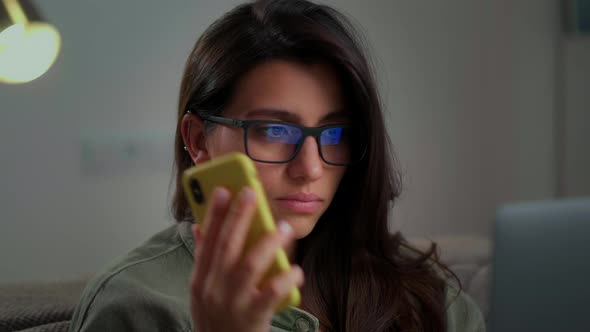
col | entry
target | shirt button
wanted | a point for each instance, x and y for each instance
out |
(302, 325)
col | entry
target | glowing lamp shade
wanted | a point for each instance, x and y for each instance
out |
(28, 46)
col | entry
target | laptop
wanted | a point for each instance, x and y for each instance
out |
(541, 267)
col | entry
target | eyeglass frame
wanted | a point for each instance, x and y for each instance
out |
(315, 132)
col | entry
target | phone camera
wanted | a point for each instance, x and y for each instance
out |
(197, 192)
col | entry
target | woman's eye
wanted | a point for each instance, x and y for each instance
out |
(271, 131)
(275, 131)
(278, 133)
(331, 136)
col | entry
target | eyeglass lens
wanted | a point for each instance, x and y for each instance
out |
(277, 142)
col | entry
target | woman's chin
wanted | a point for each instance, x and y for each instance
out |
(301, 226)
(302, 223)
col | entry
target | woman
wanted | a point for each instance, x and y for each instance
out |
(254, 81)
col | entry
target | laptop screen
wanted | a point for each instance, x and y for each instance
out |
(541, 267)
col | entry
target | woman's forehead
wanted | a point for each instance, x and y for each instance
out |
(288, 91)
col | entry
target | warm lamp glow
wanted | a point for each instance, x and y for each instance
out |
(27, 48)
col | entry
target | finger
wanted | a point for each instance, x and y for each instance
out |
(198, 238)
(257, 261)
(196, 229)
(230, 242)
(214, 219)
(277, 289)
(195, 286)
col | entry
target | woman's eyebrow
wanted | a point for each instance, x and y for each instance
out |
(274, 113)
(287, 116)
(337, 115)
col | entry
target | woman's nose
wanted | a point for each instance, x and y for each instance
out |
(308, 163)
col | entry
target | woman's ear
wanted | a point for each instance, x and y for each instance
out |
(192, 129)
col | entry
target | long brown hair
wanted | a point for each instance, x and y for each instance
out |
(359, 277)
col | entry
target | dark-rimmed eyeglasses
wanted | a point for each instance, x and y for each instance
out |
(279, 142)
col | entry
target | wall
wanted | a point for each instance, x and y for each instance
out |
(576, 143)
(468, 88)
(470, 92)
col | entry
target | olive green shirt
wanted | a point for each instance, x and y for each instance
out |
(148, 290)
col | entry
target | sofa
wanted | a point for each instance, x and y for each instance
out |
(48, 306)
(39, 306)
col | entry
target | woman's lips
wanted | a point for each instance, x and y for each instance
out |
(301, 202)
(298, 206)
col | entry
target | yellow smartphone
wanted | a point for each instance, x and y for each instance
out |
(234, 171)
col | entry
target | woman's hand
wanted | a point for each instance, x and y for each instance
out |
(226, 294)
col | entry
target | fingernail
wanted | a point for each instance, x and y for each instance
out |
(284, 227)
(248, 194)
(221, 195)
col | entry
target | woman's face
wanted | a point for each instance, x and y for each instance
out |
(309, 95)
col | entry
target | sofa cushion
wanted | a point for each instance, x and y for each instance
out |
(469, 257)
(36, 307)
